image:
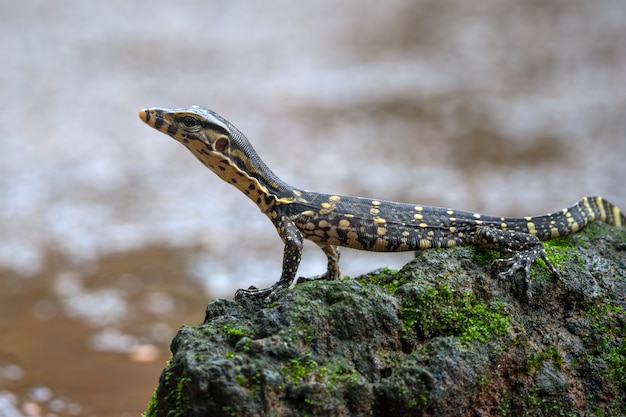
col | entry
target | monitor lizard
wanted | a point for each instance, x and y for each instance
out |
(332, 220)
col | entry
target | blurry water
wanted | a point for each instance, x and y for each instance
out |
(512, 108)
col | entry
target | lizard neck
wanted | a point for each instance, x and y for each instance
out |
(245, 170)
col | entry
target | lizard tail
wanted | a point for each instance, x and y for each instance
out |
(574, 218)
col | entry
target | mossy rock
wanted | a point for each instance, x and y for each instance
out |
(441, 336)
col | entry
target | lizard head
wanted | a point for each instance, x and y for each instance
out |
(199, 129)
(221, 147)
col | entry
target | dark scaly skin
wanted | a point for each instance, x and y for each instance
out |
(332, 220)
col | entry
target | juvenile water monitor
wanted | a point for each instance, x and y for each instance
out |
(332, 220)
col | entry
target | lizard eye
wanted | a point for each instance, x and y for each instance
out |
(190, 121)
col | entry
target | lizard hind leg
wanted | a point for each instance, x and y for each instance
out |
(524, 248)
(332, 271)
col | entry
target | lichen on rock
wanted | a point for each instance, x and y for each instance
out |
(441, 336)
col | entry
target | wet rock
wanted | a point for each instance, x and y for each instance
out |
(550, 380)
(439, 337)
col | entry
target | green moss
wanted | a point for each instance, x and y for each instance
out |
(251, 378)
(429, 312)
(340, 374)
(299, 368)
(533, 404)
(231, 410)
(153, 404)
(615, 358)
(505, 404)
(152, 407)
(307, 334)
(318, 386)
(484, 256)
(388, 279)
(534, 360)
(304, 331)
(607, 323)
(241, 380)
(539, 405)
(419, 401)
(562, 251)
(236, 333)
(330, 374)
(176, 396)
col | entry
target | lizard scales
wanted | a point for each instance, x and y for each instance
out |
(332, 220)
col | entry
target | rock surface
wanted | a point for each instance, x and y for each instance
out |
(439, 337)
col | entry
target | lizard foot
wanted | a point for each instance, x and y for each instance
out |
(523, 260)
(251, 293)
(321, 277)
(269, 294)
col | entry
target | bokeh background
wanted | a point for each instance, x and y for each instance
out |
(112, 235)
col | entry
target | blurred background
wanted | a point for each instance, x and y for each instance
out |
(112, 235)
